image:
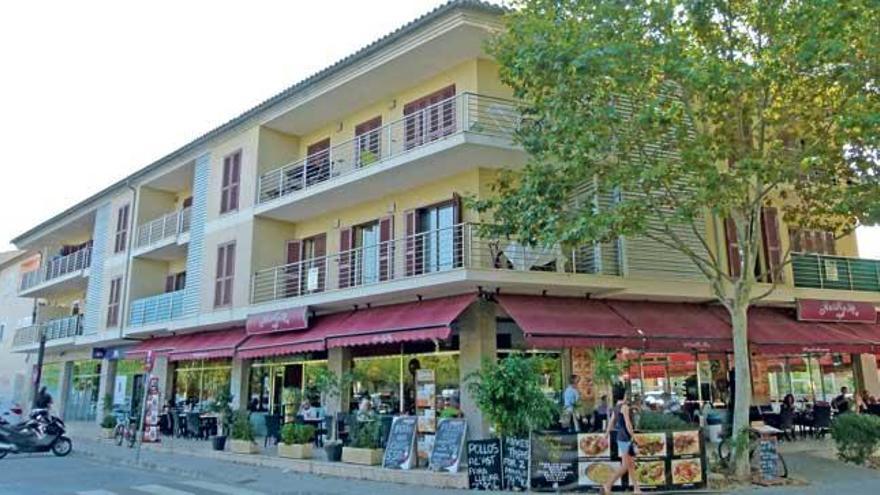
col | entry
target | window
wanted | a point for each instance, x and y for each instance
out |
(175, 282)
(231, 180)
(433, 237)
(225, 274)
(812, 241)
(113, 304)
(429, 118)
(318, 162)
(121, 229)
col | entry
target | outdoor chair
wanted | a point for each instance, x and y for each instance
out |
(821, 420)
(273, 428)
(874, 409)
(193, 425)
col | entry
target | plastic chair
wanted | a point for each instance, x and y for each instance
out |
(273, 429)
(821, 419)
(193, 425)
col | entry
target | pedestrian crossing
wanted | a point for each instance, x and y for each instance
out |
(194, 487)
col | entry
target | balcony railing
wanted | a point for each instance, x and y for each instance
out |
(441, 250)
(60, 328)
(466, 112)
(822, 271)
(168, 225)
(156, 309)
(57, 267)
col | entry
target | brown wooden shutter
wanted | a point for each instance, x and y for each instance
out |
(807, 240)
(235, 180)
(345, 243)
(386, 248)
(218, 281)
(772, 244)
(794, 238)
(411, 244)
(169, 283)
(320, 254)
(293, 272)
(734, 259)
(458, 231)
(830, 247)
(224, 189)
(230, 273)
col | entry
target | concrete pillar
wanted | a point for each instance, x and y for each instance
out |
(163, 370)
(339, 363)
(238, 383)
(477, 333)
(106, 385)
(63, 388)
(865, 373)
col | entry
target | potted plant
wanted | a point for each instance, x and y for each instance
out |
(108, 420)
(296, 441)
(366, 446)
(329, 386)
(221, 407)
(367, 157)
(242, 434)
(290, 398)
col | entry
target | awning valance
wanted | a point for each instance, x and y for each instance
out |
(213, 344)
(676, 327)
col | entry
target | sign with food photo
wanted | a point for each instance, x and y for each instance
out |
(687, 471)
(596, 473)
(651, 473)
(651, 444)
(685, 443)
(593, 445)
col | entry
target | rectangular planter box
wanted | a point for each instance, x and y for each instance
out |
(107, 433)
(295, 451)
(244, 447)
(367, 457)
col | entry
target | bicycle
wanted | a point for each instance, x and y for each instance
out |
(126, 430)
(725, 450)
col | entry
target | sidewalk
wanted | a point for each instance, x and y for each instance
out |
(195, 458)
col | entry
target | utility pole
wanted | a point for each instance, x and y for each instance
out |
(39, 371)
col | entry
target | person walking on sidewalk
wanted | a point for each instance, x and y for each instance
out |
(627, 449)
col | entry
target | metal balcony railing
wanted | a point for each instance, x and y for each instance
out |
(156, 309)
(168, 225)
(59, 328)
(466, 112)
(822, 271)
(57, 267)
(440, 250)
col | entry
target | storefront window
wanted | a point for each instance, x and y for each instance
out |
(810, 378)
(197, 382)
(128, 389)
(82, 398)
(51, 379)
(269, 378)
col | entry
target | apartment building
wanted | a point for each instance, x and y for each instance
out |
(327, 228)
(15, 312)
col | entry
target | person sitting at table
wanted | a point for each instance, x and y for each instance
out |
(308, 412)
(841, 403)
(788, 404)
(365, 410)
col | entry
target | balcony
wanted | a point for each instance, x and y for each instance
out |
(163, 233)
(61, 271)
(156, 309)
(433, 252)
(819, 271)
(471, 124)
(60, 328)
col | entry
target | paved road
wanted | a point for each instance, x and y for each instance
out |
(81, 475)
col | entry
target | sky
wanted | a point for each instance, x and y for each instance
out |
(91, 91)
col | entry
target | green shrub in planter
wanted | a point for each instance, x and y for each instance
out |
(857, 436)
(109, 422)
(241, 427)
(294, 434)
(367, 435)
(657, 421)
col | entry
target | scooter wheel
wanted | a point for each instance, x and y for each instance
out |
(62, 447)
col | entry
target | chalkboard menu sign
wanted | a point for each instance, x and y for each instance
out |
(768, 457)
(484, 464)
(400, 450)
(515, 463)
(554, 462)
(448, 443)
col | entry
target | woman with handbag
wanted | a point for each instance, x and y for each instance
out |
(621, 422)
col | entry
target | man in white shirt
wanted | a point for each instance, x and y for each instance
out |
(570, 399)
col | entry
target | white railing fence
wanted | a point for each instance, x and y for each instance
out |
(168, 225)
(155, 309)
(57, 267)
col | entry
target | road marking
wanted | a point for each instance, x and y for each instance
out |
(96, 492)
(160, 490)
(216, 487)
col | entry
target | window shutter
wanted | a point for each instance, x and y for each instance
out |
(734, 259)
(807, 238)
(830, 247)
(218, 281)
(169, 283)
(294, 268)
(345, 242)
(458, 231)
(320, 254)
(234, 180)
(772, 245)
(386, 248)
(230, 273)
(224, 190)
(794, 238)
(412, 263)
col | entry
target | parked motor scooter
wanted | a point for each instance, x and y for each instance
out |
(43, 433)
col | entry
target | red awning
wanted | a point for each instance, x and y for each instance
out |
(558, 322)
(676, 327)
(208, 345)
(160, 346)
(397, 323)
(777, 331)
(297, 342)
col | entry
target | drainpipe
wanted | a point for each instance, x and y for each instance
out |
(123, 301)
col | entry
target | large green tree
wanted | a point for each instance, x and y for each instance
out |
(688, 110)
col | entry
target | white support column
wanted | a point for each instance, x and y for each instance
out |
(106, 385)
(162, 370)
(477, 331)
(865, 373)
(238, 383)
(63, 388)
(339, 362)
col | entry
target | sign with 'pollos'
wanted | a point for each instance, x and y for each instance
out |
(278, 321)
(836, 311)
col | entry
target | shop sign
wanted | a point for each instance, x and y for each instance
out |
(400, 449)
(836, 311)
(448, 444)
(515, 455)
(278, 321)
(484, 464)
(149, 360)
(151, 412)
(98, 353)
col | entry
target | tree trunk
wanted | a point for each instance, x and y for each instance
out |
(742, 390)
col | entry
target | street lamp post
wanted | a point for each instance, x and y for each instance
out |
(38, 373)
